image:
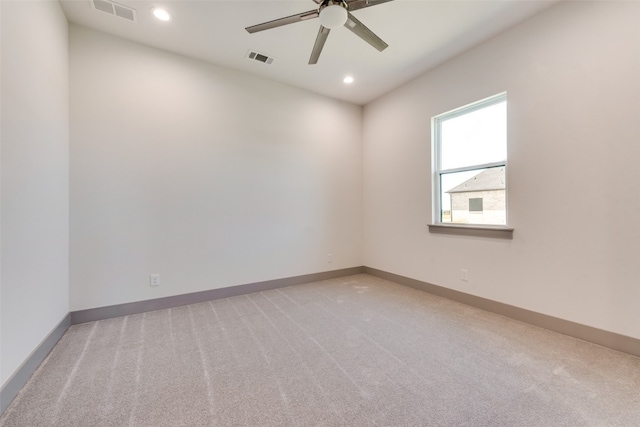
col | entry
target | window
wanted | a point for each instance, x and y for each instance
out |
(469, 164)
(475, 205)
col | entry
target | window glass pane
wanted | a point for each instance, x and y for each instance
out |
(458, 191)
(475, 204)
(475, 138)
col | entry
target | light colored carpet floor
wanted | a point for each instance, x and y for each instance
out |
(353, 351)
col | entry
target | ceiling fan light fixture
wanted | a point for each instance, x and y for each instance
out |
(333, 16)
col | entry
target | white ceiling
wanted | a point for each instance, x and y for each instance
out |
(420, 33)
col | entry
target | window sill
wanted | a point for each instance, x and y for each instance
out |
(497, 231)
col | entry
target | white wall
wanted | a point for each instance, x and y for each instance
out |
(209, 177)
(34, 290)
(571, 74)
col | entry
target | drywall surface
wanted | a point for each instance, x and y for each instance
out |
(205, 176)
(571, 77)
(34, 291)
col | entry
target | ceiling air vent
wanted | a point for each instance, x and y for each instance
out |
(260, 57)
(115, 9)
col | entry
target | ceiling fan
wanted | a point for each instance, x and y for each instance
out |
(332, 14)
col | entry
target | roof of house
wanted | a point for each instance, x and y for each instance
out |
(489, 179)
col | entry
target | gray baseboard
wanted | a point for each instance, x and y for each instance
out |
(587, 333)
(101, 313)
(22, 375)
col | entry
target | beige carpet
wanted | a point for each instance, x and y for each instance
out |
(354, 351)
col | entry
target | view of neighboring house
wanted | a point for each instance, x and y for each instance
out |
(481, 199)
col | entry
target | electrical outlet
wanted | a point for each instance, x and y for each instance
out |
(329, 258)
(464, 274)
(154, 280)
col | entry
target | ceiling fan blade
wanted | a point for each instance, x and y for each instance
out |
(283, 21)
(361, 4)
(323, 33)
(360, 30)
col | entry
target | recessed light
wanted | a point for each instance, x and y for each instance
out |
(161, 14)
(348, 80)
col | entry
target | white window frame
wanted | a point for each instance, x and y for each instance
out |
(437, 170)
